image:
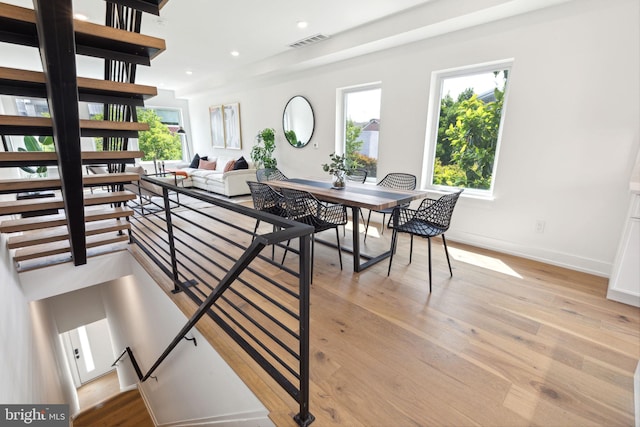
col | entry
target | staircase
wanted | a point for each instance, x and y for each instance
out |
(60, 216)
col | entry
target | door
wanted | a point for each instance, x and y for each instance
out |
(91, 350)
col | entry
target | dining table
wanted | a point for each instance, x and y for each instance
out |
(356, 196)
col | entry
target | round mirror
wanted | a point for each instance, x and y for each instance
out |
(298, 122)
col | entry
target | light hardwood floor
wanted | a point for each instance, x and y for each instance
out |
(504, 342)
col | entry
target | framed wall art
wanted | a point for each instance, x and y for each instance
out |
(231, 114)
(216, 115)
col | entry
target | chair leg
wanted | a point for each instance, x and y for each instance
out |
(429, 246)
(313, 249)
(394, 237)
(366, 227)
(339, 250)
(384, 215)
(446, 251)
(411, 250)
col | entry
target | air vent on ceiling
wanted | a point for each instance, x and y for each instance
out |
(309, 40)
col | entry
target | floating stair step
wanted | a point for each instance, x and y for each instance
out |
(43, 158)
(35, 205)
(62, 233)
(19, 26)
(62, 247)
(41, 184)
(48, 221)
(32, 83)
(23, 125)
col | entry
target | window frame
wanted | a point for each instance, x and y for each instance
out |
(433, 118)
(183, 140)
(341, 120)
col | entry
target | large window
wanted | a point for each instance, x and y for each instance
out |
(361, 124)
(466, 127)
(162, 141)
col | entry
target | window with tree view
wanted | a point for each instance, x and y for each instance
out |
(161, 141)
(361, 127)
(469, 127)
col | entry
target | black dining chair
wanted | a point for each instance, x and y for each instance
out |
(357, 175)
(431, 219)
(270, 174)
(397, 180)
(266, 199)
(303, 207)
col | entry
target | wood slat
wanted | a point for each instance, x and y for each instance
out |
(32, 83)
(61, 233)
(19, 26)
(23, 125)
(41, 184)
(47, 221)
(56, 248)
(34, 205)
(50, 158)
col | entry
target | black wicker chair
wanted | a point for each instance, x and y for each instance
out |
(268, 174)
(357, 175)
(266, 199)
(397, 180)
(431, 219)
(303, 207)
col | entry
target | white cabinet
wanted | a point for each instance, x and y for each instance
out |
(624, 284)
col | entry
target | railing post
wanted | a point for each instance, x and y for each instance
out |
(172, 246)
(304, 418)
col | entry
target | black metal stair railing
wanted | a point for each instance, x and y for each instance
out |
(206, 246)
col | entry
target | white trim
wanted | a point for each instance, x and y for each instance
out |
(560, 259)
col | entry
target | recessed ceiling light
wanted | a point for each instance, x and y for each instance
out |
(80, 17)
(303, 24)
(235, 53)
(189, 72)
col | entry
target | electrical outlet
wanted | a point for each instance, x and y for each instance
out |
(315, 145)
(540, 226)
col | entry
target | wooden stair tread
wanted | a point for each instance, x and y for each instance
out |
(34, 205)
(48, 221)
(19, 26)
(13, 125)
(62, 233)
(29, 80)
(61, 247)
(33, 184)
(50, 158)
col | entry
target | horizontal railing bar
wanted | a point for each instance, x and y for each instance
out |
(229, 278)
(262, 328)
(261, 344)
(255, 355)
(303, 229)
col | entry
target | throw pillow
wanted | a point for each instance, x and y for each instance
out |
(196, 161)
(229, 166)
(241, 163)
(207, 165)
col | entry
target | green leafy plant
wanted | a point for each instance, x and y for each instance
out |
(262, 151)
(43, 143)
(292, 138)
(158, 143)
(340, 167)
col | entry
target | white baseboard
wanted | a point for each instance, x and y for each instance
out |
(623, 297)
(250, 419)
(560, 259)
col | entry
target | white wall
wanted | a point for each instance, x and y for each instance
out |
(142, 317)
(29, 367)
(570, 136)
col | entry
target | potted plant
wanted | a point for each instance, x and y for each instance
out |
(339, 168)
(262, 151)
(43, 143)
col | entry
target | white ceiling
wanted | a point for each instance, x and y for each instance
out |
(200, 34)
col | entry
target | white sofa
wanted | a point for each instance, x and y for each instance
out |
(231, 183)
